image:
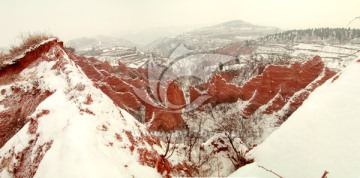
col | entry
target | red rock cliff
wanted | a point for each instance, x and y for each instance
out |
(273, 88)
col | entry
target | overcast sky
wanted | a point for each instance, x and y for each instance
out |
(69, 19)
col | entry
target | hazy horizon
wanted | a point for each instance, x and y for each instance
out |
(73, 19)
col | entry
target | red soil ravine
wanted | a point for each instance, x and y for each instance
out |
(118, 82)
(282, 80)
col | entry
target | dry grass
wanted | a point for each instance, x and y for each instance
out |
(29, 40)
(26, 41)
(2, 58)
(2, 54)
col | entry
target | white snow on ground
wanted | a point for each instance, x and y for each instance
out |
(80, 149)
(323, 134)
(2, 108)
(7, 90)
(252, 171)
(81, 145)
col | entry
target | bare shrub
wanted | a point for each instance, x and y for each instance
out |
(27, 41)
(235, 127)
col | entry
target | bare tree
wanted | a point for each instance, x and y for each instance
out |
(168, 142)
(233, 126)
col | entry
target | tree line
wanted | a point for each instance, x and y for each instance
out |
(335, 35)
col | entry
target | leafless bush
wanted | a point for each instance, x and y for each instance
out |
(27, 41)
(169, 150)
(233, 127)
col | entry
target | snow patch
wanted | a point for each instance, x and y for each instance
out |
(2, 108)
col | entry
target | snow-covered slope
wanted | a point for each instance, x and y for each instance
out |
(75, 131)
(322, 135)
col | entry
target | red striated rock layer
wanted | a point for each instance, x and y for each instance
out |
(220, 91)
(111, 81)
(273, 88)
(118, 83)
(168, 118)
(175, 95)
(284, 82)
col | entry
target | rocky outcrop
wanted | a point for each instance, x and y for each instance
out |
(276, 88)
(169, 118)
(220, 91)
(119, 83)
(111, 81)
(278, 85)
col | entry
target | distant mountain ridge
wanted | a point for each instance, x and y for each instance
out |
(212, 37)
(87, 43)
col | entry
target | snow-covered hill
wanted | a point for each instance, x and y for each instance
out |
(211, 38)
(322, 135)
(58, 124)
